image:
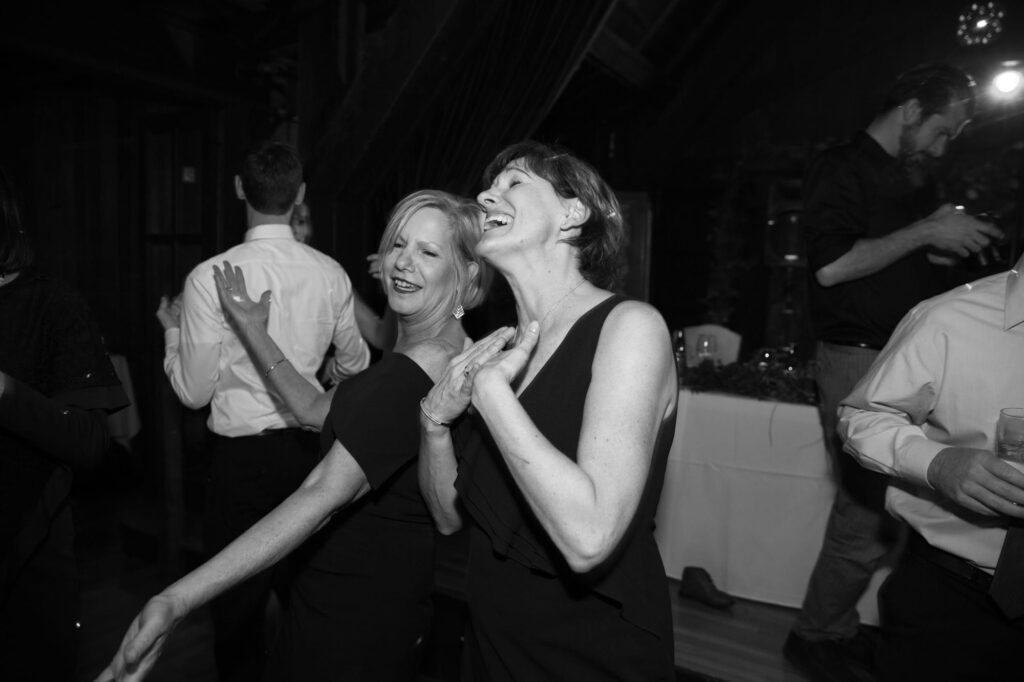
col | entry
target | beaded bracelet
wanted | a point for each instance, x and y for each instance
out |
(274, 366)
(429, 416)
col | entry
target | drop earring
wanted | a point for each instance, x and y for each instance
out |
(458, 312)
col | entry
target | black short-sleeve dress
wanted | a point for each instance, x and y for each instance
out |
(531, 617)
(361, 601)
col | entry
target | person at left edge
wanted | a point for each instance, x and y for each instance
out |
(57, 387)
(260, 452)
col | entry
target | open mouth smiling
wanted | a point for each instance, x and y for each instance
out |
(399, 284)
(496, 220)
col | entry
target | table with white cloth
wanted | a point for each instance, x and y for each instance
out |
(747, 493)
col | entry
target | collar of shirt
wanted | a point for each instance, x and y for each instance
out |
(1014, 302)
(270, 231)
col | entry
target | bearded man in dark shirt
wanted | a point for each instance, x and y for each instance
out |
(876, 245)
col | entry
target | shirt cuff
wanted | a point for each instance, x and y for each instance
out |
(172, 336)
(915, 456)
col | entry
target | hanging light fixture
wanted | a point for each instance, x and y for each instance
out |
(980, 23)
(1008, 83)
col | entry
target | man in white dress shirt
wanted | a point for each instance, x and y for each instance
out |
(926, 414)
(260, 455)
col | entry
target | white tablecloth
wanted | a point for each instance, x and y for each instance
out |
(747, 493)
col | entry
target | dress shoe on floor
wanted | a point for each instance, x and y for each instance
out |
(831, 660)
(697, 585)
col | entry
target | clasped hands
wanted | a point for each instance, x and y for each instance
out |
(485, 363)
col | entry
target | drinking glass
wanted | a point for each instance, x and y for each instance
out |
(707, 348)
(1010, 434)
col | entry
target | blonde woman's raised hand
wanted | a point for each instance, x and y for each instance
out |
(239, 309)
(450, 395)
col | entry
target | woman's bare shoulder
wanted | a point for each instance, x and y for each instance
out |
(433, 355)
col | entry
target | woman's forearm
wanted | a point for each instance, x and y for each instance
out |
(562, 495)
(437, 471)
(309, 405)
(333, 484)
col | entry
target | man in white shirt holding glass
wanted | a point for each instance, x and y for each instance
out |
(259, 453)
(926, 414)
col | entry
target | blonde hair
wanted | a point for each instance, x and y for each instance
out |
(464, 219)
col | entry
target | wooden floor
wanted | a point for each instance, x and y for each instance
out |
(119, 572)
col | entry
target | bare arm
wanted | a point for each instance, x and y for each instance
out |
(334, 483)
(448, 399)
(587, 505)
(249, 320)
(437, 471)
(948, 230)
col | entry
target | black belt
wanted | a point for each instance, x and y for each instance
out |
(283, 431)
(856, 344)
(951, 563)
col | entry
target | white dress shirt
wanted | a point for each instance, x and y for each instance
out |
(311, 306)
(954, 361)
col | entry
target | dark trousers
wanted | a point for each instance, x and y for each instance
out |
(250, 475)
(939, 626)
(859, 533)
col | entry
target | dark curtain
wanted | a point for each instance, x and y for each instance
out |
(511, 72)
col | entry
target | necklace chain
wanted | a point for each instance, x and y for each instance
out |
(557, 303)
(560, 301)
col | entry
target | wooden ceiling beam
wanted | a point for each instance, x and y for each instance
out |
(622, 60)
(400, 68)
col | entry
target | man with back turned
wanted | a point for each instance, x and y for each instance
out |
(260, 455)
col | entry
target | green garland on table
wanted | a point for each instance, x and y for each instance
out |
(776, 381)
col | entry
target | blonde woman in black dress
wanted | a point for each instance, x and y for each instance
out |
(361, 600)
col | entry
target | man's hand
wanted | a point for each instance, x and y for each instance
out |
(978, 480)
(374, 265)
(169, 312)
(950, 230)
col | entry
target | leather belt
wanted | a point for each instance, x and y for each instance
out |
(951, 563)
(281, 431)
(855, 344)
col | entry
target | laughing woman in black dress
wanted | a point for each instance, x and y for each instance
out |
(561, 480)
(361, 600)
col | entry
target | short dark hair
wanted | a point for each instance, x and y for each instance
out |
(15, 252)
(271, 175)
(601, 239)
(935, 85)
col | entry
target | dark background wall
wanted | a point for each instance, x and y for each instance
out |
(123, 123)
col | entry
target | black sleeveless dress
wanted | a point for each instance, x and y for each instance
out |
(531, 617)
(360, 605)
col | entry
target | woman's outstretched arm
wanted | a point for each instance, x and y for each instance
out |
(249, 320)
(337, 481)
